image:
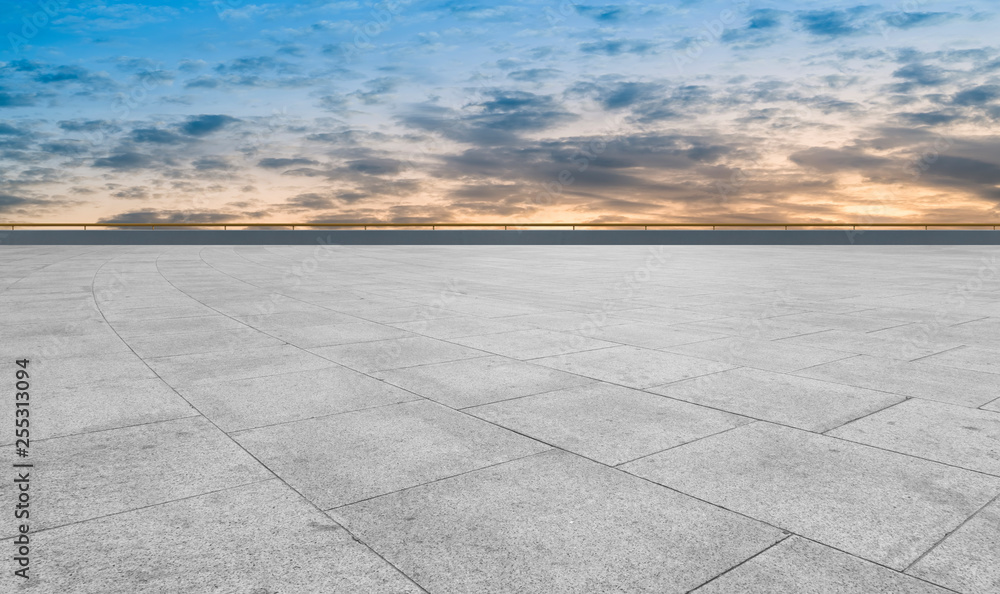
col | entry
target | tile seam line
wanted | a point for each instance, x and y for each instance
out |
(954, 348)
(132, 426)
(149, 506)
(268, 468)
(416, 398)
(950, 533)
(616, 469)
(727, 430)
(386, 325)
(743, 562)
(878, 563)
(548, 449)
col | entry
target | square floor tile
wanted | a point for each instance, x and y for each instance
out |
(804, 403)
(554, 524)
(274, 399)
(798, 565)
(608, 423)
(345, 458)
(223, 366)
(471, 382)
(882, 506)
(251, 539)
(760, 354)
(530, 344)
(632, 366)
(380, 355)
(968, 560)
(95, 474)
(956, 435)
(920, 380)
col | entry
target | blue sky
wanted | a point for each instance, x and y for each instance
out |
(412, 111)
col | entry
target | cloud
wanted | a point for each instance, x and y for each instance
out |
(172, 216)
(126, 161)
(8, 130)
(617, 47)
(133, 193)
(977, 96)
(832, 23)
(280, 163)
(206, 124)
(156, 136)
(16, 99)
(375, 166)
(835, 160)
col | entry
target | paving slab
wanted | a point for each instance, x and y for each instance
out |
(345, 458)
(553, 523)
(968, 561)
(98, 406)
(918, 379)
(644, 334)
(608, 423)
(752, 328)
(254, 539)
(872, 344)
(292, 396)
(380, 355)
(957, 435)
(95, 474)
(334, 334)
(785, 399)
(882, 506)
(456, 327)
(761, 354)
(531, 344)
(471, 382)
(213, 323)
(221, 366)
(973, 358)
(858, 322)
(191, 343)
(632, 366)
(799, 566)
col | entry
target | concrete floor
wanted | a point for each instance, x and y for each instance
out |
(506, 419)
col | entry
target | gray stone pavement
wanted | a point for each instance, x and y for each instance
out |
(505, 419)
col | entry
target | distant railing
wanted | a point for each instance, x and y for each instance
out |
(574, 226)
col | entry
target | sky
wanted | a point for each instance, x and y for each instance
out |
(692, 111)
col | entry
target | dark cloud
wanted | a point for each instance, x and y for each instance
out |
(211, 164)
(910, 20)
(172, 216)
(763, 27)
(126, 161)
(929, 118)
(156, 136)
(603, 14)
(977, 96)
(617, 47)
(497, 120)
(87, 125)
(8, 130)
(832, 23)
(133, 193)
(206, 124)
(64, 148)
(834, 160)
(922, 75)
(17, 99)
(533, 74)
(375, 166)
(279, 163)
